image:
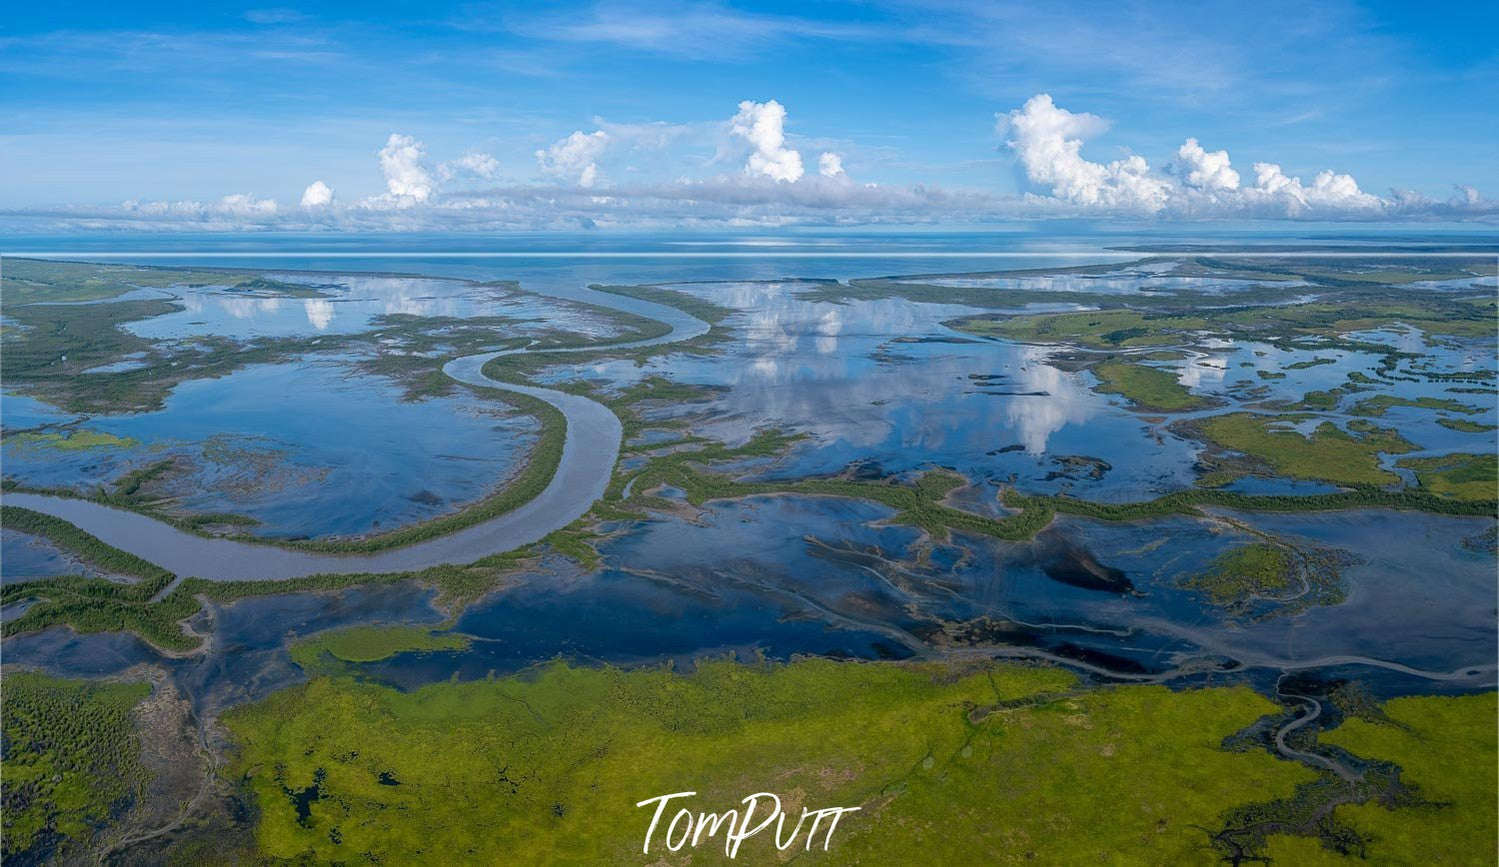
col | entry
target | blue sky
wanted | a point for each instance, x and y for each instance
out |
(174, 106)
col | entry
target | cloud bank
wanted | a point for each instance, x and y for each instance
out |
(1048, 140)
(596, 179)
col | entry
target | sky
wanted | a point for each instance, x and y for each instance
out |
(528, 115)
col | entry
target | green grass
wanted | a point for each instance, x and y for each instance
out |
(1463, 425)
(371, 644)
(1148, 388)
(1462, 476)
(71, 761)
(977, 763)
(1104, 329)
(1327, 454)
(1243, 573)
(72, 441)
(1446, 747)
(1379, 404)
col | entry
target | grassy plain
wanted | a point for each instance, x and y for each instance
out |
(1148, 388)
(1462, 476)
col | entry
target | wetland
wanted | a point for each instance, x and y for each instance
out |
(1211, 535)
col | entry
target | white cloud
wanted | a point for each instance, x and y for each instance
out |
(473, 164)
(317, 195)
(1207, 171)
(1049, 139)
(245, 205)
(576, 155)
(1329, 191)
(405, 178)
(762, 124)
(830, 165)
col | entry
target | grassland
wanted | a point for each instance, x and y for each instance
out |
(990, 762)
(371, 644)
(1103, 329)
(546, 767)
(1461, 476)
(1328, 453)
(71, 762)
(1381, 403)
(1463, 425)
(1446, 749)
(1149, 388)
(78, 440)
(1242, 573)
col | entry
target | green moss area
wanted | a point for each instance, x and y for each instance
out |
(1446, 748)
(71, 761)
(1104, 329)
(1242, 573)
(999, 762)
(1328, 453)
(1462, 476)
(70, 441)
(1148, 388)
(1380, 404)
(944, 762)
(1463, 425)
(371, 644)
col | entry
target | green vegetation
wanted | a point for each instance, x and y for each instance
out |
(1312, 362)
(1463, 425)
(27, 281)
(1104, 329)
(371, 644)
(71, 762)
(550, 764)
(1462, 476)
(1446, 749)
(1328, 453)
(1238, 575)
(1379, 404)
(1148, 388)
(71, 441)
(952, 761)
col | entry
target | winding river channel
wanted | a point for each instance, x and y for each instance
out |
(588, 457)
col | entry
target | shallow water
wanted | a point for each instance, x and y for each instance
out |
(885, 386)
(307, 449)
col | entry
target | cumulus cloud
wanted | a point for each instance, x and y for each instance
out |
(1048, 140)
(575, 156)
(762, 124)
(317, 195)
(1204, 170)
(472, 164)
(1328, 191)
(407, 181)
(773, 188)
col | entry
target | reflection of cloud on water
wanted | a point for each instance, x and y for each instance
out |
(1035, 419)
(319, 313)
(1202, 369)
(247, 308)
